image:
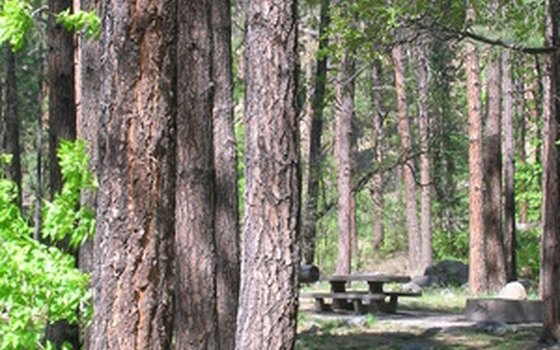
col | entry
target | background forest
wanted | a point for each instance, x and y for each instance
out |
(420, 138)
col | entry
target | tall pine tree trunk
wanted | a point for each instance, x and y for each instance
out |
(508, 147)
(196, 321)
(87, 87)
(343, 154)
(62, 103)
(414, 240)
(477, 259)
(62, 126)
(132, 276)
(270, 256)
(378, 137)
(225, 153)
(309, 223)
(495, 258)
(550, 262)
(12, 124)
(425, 176)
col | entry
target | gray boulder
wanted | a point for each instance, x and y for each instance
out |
(513, 291)
(448, 273)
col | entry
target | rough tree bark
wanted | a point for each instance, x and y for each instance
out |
(495, 258)
(132, 278)
(196, 317)
(62, 125)
(477, 260)
(12, 124)
(270, 256)
(225, 153)
(550, 262)
(87, 87)
(378, 136)
(309, 223)
(414, 239)
(425, 175)
(344, 109)
(508, 148)
(62, 103)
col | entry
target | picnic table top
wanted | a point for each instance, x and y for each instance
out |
(367, 277)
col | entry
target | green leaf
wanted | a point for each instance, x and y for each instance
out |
(87, 22)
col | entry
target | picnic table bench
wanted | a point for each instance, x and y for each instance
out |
(374, 300)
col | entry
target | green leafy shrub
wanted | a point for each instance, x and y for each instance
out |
(41, 284)
(15, 22)
(88, 22)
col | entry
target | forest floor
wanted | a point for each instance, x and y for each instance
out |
(434, 321)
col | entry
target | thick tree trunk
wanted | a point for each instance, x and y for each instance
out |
(495, 258)
(414, 239)
(425, 176)
(12, 124)
(270, 256)
(309, 223)
(509, 167)
(225, 153)
(550, 262)
(132, 277)
(378, 137)
(87, 87)
(196, 314)
(343, 156)
(477, 259)
(62, 103)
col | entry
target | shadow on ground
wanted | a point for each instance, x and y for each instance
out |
(414, 340)
(409, 330)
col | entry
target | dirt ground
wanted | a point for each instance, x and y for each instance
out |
(409, 330)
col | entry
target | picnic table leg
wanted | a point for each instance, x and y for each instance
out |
(359, 307)
(320, 305)
(391, 306)
(340, 304)
(375, 287)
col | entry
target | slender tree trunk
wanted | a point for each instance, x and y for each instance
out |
(425, 176)
(378, 137)
(317, 104)
(509, 167)
(12, 124)
(132, 278)
(37, 215)
(477, 260)
(343, 155)
(225, 153)
(495, 258)
(87, 87)
(550, 262)
(539, 96)
(62, 103)
(62, 125)
(414, 240)
(196, 321)
(270, 256)
(528, 101)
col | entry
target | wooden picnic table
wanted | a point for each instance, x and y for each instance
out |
(374, 281)
(373, 299)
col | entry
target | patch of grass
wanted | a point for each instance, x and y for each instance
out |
(452, 300)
